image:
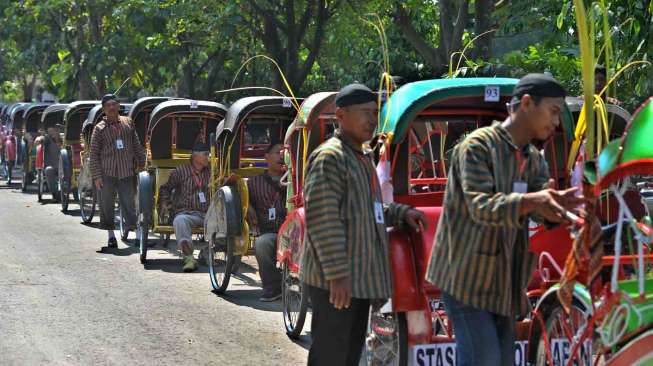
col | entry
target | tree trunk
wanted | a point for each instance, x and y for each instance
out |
(483, 23)
(85, 85)
(95, 25)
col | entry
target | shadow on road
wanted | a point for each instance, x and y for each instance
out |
(119, 252)
(74, 213)
(250, 298)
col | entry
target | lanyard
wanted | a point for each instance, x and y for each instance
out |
(196, 177)
(521, 163)
(372, 172)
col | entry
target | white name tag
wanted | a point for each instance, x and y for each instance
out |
(378, 213)
(520, 187)
(119, 144)
(272, 214)
(202, 197)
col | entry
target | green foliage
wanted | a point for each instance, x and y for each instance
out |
(195, 47)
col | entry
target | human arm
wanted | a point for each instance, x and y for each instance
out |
(96, 157)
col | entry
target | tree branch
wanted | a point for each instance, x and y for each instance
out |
(430, 54)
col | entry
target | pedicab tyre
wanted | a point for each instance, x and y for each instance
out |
(87, 204)
(40, 185)
(65, 176)
(124, 230)
(142, 234)
(294, 297)
(221, 260)
(144, 211)
(554, 318)
(386, 342)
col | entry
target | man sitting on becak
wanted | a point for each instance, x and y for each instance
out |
(189, 184)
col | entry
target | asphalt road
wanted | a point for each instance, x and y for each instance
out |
(64, 303)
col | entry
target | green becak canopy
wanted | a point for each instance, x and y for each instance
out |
(409, 100)
(631, 154)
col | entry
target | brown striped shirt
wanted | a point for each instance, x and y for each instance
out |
(342, 237)
(115, 149)
(264, 194)
(185, 185)
(480, 254)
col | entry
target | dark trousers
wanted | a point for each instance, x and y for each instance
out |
(338, 335)
(266, 255)
(125, 189)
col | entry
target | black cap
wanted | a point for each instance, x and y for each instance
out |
(200, 147)
(109, 97)
(540, 85)
(354, 94)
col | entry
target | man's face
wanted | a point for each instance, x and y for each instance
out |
(201, 158)
(273, 158)
(110, 109)
(599, 82)
(359, 121)
(543, 117)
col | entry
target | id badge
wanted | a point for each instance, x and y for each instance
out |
(272, 214)
(202, 197)
(520, 187)
(119, 144)
(378, 213)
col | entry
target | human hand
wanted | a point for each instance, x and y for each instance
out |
(98, 184)
(416, 220)
(551, 204)
(340, 292)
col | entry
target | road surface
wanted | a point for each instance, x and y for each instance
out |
(65, 303)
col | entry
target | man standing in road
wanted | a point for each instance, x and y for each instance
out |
(345, 259)
(480, 260)
(116, 155)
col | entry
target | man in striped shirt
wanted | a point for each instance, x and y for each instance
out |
(345, 259)
(189, 185)
(497, 180)
(116, 155)
(267, 212)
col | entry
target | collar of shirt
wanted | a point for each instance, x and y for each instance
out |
(505, 135)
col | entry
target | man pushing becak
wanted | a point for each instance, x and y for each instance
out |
(497, 179)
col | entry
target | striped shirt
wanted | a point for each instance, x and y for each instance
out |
(188, 187)
(115, 149)
(266, 194)
(480, 254)
(342, 236)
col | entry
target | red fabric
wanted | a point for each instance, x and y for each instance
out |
(10, 148)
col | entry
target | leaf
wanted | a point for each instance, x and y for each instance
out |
(62, 54)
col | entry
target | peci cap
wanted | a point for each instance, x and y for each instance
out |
(200, 147)
(353, 94)
(109, 97)
(540, 85)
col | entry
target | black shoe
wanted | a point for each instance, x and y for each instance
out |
(113, 243)
(270, 296)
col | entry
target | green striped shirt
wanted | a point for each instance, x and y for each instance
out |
(342, 237)
(480, 254)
